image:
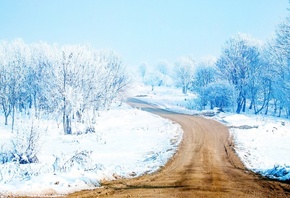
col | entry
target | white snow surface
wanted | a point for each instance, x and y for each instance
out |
(261, 142)
(127, 143)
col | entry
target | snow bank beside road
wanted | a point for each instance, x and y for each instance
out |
(127, 143)
(262, 143)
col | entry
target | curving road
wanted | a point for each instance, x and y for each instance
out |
(204, 166)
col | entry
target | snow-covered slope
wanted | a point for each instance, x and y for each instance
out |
(126, 143)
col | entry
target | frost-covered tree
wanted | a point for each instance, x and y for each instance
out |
(70, 82)
(219, 95)
(261, 84)
(153, 79)
(163, 67)
(143, 69)
(113, 77)
(158, 75)
(66, 77)
(13, 68)
(38, 79)
(86, 81)
(165, 72)
(278, 61)
(239, 64)
(204, 75)
(4, 83)
(184, 73)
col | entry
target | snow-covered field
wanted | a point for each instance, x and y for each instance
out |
(262, 142)
(126, 143)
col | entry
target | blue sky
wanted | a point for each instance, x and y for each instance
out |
(141, 30)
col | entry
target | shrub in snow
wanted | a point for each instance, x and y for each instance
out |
(26, 144)
(24, 147)
(194, 104)
(86, 130)
(278, 172)
(219, 95)
(13, 171)
(80, 160)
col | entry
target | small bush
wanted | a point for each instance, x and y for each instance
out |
(80, 160)
(90, 130)
(24, 147)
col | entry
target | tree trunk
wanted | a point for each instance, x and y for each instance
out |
(244, 104)
(184, 89)
(239, 104)
(35, 104)
(13, 117)
(251, 105)
(267, 107)
(280, 109)
(6, 119)
(267, 102)
(7, 111)
(211, 105)
(239, 108)
(68, 125)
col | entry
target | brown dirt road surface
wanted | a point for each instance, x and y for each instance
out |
(204, 166)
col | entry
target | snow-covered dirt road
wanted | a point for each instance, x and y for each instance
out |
(204, 166)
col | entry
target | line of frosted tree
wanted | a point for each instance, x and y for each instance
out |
(248, 75)
(70, 83)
